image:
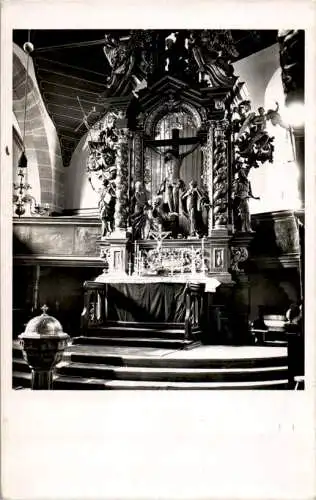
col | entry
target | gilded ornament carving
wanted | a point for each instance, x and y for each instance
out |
(171, 260)
(210, 55)
(105, 254)
(238, 255)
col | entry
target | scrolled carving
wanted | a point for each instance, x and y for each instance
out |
(105, 254)
(238, 255)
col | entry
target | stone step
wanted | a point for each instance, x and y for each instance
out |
(103, 371)
(94, 355)
(20, 365)
(22, 380)
(132, 342)
(135, 332)
(145, 325)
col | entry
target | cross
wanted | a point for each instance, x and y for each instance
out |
(174, 143)
(44, 308)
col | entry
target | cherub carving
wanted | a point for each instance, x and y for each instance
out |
(257, 122)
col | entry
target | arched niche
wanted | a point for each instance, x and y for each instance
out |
(175, 129)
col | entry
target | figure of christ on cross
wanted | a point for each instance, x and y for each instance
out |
(173, 187)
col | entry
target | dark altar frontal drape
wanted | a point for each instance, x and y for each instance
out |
(152, 302)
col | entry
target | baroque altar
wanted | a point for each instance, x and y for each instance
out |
(171, 157)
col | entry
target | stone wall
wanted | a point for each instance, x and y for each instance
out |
(41, 141)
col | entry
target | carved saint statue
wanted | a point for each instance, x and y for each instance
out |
(241, 194)
(195, 202)
(141, 212)
(173, 187)
(107, 204)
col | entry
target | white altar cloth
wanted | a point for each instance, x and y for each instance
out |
(210, 283)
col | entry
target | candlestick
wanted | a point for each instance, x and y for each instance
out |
(203, 263)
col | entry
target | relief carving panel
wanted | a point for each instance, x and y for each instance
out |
(86, 241)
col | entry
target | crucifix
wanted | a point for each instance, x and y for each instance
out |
(173, 153)
(173, 187)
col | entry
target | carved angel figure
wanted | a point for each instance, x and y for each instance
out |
(256, 123)
(127, 58)
(212, 52)
(252, 138)
(119, 58)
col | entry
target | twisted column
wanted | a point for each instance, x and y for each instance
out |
(138, 157)
(207, 171)
(220, 177)
(122, 165)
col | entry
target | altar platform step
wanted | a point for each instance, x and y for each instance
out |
(133, 342)
(87, 367)
(141, 331)
(139, 334)
(168, 374)
(198, 358)
(23, 380)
